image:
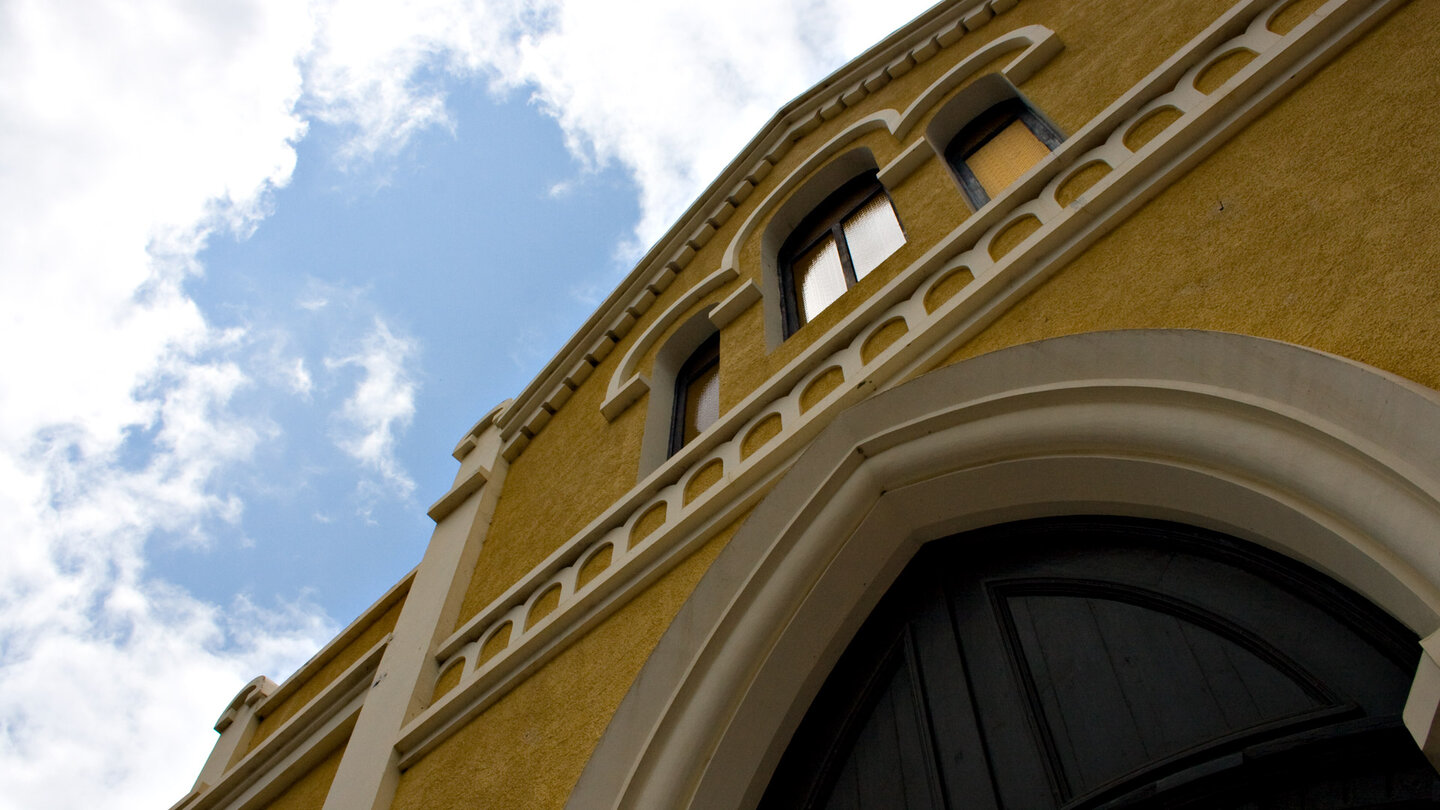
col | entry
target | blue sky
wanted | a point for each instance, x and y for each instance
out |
(262, 263)
(444, 244)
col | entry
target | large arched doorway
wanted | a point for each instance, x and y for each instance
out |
(1102, 662)
(1321, 460)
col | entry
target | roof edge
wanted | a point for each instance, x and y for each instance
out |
(918, 40)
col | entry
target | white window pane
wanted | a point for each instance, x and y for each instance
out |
(1005, 157)
(819, 279)
(872, 234)
(703, 408)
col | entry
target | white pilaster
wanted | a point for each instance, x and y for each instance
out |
(369, 771)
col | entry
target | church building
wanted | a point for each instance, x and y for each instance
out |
(1039, 412)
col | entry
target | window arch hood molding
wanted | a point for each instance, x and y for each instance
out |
(1221, 431)
(984, 111)
(811, 191)
(1037, 45)
(659, 413)
(828, 168)
(627, 384)
(984, 93)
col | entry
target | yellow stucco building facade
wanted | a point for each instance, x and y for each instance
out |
(1161, 268)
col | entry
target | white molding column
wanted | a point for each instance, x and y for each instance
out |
(369, 770)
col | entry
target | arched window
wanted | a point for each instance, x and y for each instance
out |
(697, 394)
(998, 146)
(842, 240)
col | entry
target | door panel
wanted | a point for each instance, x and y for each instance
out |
(1099, 662)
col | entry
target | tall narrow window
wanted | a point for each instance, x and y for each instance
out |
(839, 243)
(1001, 144)
(697, 394)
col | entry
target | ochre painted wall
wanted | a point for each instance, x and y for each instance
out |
(309, 791)
(1108, 48)
(528, 749)
(1316, 225)
(1305, 227)
(580, 463)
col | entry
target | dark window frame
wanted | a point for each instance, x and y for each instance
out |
(705, 357)
(823, 222)
(981, 130)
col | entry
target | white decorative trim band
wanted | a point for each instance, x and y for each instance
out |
(627, 385)
(918, 42)
(901, 329)
(320, 727)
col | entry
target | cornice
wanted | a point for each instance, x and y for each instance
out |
(916, 42)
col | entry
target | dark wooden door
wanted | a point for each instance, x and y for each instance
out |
(1107, 663)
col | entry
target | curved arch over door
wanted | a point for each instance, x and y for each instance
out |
(1096, 662)
(1326, 461)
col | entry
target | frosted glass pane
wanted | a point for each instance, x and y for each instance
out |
(872, 234)
(702, 402)
(1005, 157)
(819, 279)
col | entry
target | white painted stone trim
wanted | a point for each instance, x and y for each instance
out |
(458, 493)
(627, 385)
(1222, 431)
(404, 679)
(1037, 45)
(352, 631)
(472, 436)
(284, 756)
(917, 42)
(1136, 176)
(744, 297)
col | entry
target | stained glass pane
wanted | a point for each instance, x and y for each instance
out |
(872, 234)
(1005, 157)
(702, 402)
(819, 279)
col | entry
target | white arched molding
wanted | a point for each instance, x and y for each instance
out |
(627, 384)
(1325, 460)
(1037, 45)
(695, 330)
(827, 169)
(836, 161)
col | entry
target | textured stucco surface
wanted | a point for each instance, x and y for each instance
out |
(1109, 47)
(579, 463)
(308, 792)
(1315, 225)
(528, 749)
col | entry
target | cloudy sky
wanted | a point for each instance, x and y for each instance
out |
(262, 263)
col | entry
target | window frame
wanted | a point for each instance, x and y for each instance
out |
(705, 357)
(982, 129)
(825, 221)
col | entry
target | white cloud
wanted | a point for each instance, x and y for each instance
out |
(381, 407)
(673, 90)
(108, 674)
(300, 381)
(670, 90)
(130, 133)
